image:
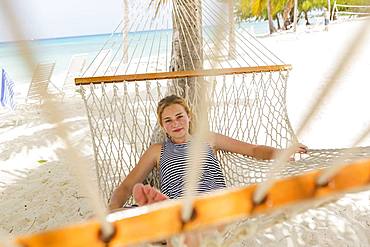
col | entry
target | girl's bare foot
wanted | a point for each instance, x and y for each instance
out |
(146, 194)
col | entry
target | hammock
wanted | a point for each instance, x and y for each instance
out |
(246, 90)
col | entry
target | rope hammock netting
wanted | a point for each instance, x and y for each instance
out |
(193, 49)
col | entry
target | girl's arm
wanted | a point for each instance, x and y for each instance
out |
(146, 163)
(262, 152)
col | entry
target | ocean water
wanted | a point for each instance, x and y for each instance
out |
(61, 50)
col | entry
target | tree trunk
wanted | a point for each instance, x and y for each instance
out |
(186, 54)
(271, 23)
(295, 15)
(278, 22)
(306, 18)
(187, 48)
(286, 14)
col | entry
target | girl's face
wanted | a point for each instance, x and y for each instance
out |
(175, 122)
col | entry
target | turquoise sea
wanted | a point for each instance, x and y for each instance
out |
(61, 50)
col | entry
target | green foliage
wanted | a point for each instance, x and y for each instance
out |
(307, 5)
(257, 9)
(244, 9)
(258, 6)
(278, 6)
(247, 9)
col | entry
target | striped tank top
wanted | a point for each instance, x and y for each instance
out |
(172, 170)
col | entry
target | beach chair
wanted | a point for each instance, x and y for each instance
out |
(40, 81)
(75, 69)
(6, 91)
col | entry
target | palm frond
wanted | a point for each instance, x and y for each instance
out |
(258, 7)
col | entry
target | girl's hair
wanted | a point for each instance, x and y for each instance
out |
(171, 100)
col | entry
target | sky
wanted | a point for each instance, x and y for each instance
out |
(42, 19)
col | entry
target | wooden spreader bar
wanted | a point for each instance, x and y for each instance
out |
(180, 74)
(162, 220)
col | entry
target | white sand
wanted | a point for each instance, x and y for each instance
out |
(314, 55)
(38, 196)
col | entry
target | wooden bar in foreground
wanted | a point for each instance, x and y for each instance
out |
(162, 220)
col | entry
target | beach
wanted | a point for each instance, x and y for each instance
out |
(39, 191)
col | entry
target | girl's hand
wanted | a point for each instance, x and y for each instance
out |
(301, 149)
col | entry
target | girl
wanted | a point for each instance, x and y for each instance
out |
(171, 157)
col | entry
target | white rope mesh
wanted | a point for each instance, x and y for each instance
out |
(348, 55)
(339, 223)
(248, 107)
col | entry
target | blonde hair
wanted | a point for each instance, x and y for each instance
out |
(171, 100)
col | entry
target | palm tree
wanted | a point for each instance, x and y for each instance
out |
(260, 8)
(187, 45)
(286, 14)
(269, 14)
